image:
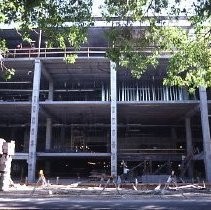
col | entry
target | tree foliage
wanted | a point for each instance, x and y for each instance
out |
(203, 9)
(63, 22)
(190, 65)
(129, 41)
(189, 50)
(7, 72)
(137, 38)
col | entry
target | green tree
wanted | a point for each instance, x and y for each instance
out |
(203, 9)
(63, 22)
(139, 36)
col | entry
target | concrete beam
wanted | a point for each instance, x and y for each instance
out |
(74, 154)
(91, 124)
(20, 156)
(155, 157)
(75, 102)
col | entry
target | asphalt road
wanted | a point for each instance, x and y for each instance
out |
(96, 204)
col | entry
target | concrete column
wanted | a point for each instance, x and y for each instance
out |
(103, 93)
(47, 168)
(12, 134)
(71, 138)
(150, 166)
(189, 145)
(48, 133)
(174, 137)
(108, 148)
(62, 137)
(205, 132)
(26, 140)
(50, 93)
(169, 169)
(145, 167)
(174, 133)
(34, 122)
(113, 119)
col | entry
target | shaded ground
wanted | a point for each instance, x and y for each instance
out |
(67, 203)
(97, 190)
(91, 196)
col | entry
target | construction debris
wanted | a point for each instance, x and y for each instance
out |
(7, 149)
(189, 186)
(116, 181)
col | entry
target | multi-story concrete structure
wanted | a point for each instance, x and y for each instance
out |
(71, 119)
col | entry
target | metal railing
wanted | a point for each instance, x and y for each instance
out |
(30, 52)
(63, 52)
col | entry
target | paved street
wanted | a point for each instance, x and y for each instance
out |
(68, 203)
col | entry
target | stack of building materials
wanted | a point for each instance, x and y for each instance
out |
(7, 149)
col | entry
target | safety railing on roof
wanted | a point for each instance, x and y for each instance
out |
(31, 52)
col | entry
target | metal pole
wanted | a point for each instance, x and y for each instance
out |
(40, 40)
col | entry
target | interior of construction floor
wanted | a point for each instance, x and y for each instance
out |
(63, 120)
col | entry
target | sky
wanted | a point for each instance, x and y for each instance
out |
(95, 8)
(183, 3)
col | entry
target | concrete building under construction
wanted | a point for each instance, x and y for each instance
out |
(71, 120)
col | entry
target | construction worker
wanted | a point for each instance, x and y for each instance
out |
(125, 171)
(42, 178)
(171, 179)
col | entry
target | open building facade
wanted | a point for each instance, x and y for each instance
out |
(71, 120)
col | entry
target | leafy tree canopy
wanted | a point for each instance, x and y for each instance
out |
(138, 35)
(64, 22)
(189, 49)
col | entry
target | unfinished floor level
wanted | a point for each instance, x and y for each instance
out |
(91, 117)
